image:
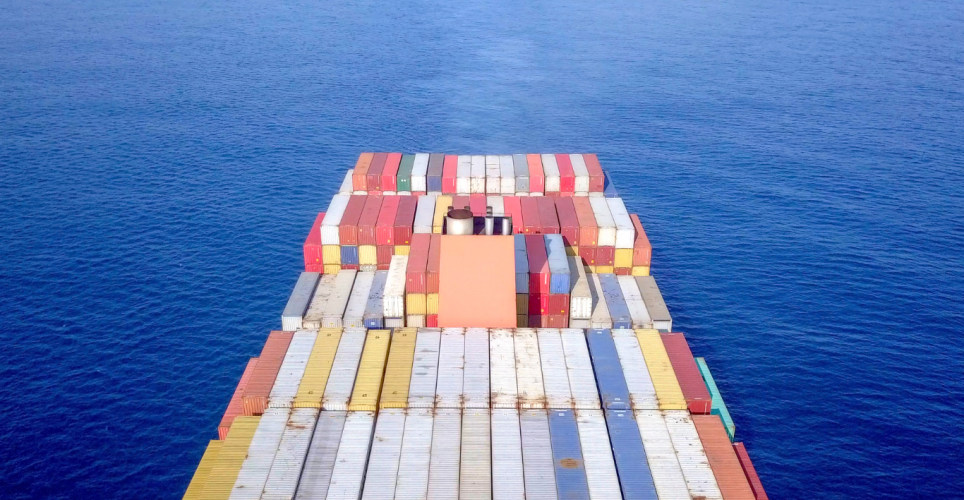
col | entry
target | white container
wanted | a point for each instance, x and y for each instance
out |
(637, 310)
(329, 225)
(477, 175)
(551, 170)
(415, 320)
(338, 300)
(443, 473)
(421, 388)
(316, 309)
(292, 369)
(475, 471)
(600, 313)
(597, 455)
(655, 305)
(625, 231)
(663, 464)
(580, 298)
(341, 379)
(582, 379)
(582, 173)
(699, 477)
(424, 214)
(451, 368)
(298, 302)
(355, 311)
(382, 472)
(320, 461)
(507, 175)
(503, 389)
(642, 394)
(288, 462)
(532, 394)
(346, 183)
(498, 205)
(416, 455)
(604, 222)
(493, 173)
(537, 463)
(264, 445)
(419, 172)
(507, 471)
(394, 322)
(555, 377)
(475, 378)
(580, 323)
(463, 175)
(394, 298)
(349, 470)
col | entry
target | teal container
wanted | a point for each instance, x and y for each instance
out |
(404, 176)
(718, 406)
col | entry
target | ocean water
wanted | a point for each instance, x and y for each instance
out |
(799, 168)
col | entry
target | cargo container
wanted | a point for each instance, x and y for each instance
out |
(235, 405)
(609, 191)
(507, 175)
(443, 471)
(398, 369)
(349, 256)
(375, 172)
(618, 310)
(551, 170)
(554, 372)
(635, 479)
(292, 369)
(224, 471)
(521, 265)
(368, 257)
(582, 380)
(320, 459)
(639, 383)
(368, 220)
(394, 322)
(609, 373)
(451, 368)
(625, 232)
(521, 166)
(415, 320)
(332, 220)
(605, 224)
(475, 382)
(341, 379)
(383, 460)
(567, 456)
(264, 446)
(346, 183)
(503, 387)
(507, 468)
(567, 177)
(415, 304)
(493, 174)
(475, 475)
(693, 461)
(450, 167)
(431, 304)
(420, 173)
(368, 382)
(539, 274)
(390, 173)
(255, 398)
(477, 175)
(597, 179)
(623, 259)
(312, 386)
(537, 178)
(605, 256)
(559, 280)
(750, 471)
(687, 373)
(424, 214)
(634, 302)
(513, 208)
(661, 456)
(385, 223)
(559, 306)
(547, 216)
(425, 366)
(312, 248)
(394, 294)
(718, 406)
(434, 174)
(497, 204)
(600, 313)
(290, 458)
(415, 279)
(568, 220)
(668, 391)
(348, 472)
(358, 300)
(200, 478)
(654, 303)
(334, 310)
(416, 453)
(588, 230)
(531, 222)
(442, 205)
(432, 264)
(404, 176)
(348, 228)
(581, 173)
(463, 175)
(581, 300)
(537, 460)
(642, 249)
(375, 307)
(360, 175)
(528, 368)
(726, 467)
(601, 473)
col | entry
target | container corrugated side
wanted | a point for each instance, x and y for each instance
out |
(442, 205)
(316, 308)
(349, 470)
(225, 470)
(403, 179)
(475, 468)
(200, 478)
(346, 183)
(341, 380)
(581, 172)
(655, 306)
(528, 367)
(421, 390)
(609, 373)
(634, 302)
(606, 225)
(451, 368)
(435, 167)
(424, 214)
(625, 231)
(419, 173)
(555, 375)
(558, 264)
(477, 175)
(618, 310)
(537, 176)
(687, 373)
(504, 392)
(507, 470)
(332, 220)
(443, 471)
(298, 301)
(718, 406)
(235, 405)
(398, 369)
(331, 317)
(292, 369)
(580, 298)
(358, 300)
(463, 175)
(750, 471)
(506, 175)
(322, 451)
(537, 461)
(375, 307)
(699, 477)
(668, 391)
(551, 171)
(600, 467)
(255, 397)
(600, 313)
(582, 380)
(264, 446)
(382, 473)
(493, 173)
(729, 475)
(635, 478)
(521, 166)
(661, 456)
(394, 294)
(639, 382)
(475, 378)
(368, 382)
(570, 468)
(286, 467)
(416, 455)
(521, 264)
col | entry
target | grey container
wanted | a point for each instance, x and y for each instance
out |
(521, 173)
(618, 310)
(374, 309)
(654, 304)
(521, 265)
(298, 302)
(316, 475)
(334, 310)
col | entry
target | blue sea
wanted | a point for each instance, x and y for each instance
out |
(798, 166)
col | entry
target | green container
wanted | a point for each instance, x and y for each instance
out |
(718, 406)
(404, 176)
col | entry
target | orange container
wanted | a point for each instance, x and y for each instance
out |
(588, 231)
(255, 398)
(359, 176)
(642, 249)
(432, 266)
(722, 458)
(348, 228)
(235, 407)
(537, 179)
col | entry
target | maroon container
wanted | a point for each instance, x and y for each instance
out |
(538, 264)
(348, 228)
(405, 219)
(568, 221)
(415, 281)
(449, 169)
(538, 321)
(312, 248)
(368, 219)
(687, 373)
(383, 255)
(623, 271)
(530, 215)
(557, 321)
(385, 227)
(434, 261)
(538, 304)
(597, 181)
(588, 255)
(390, 172)
(477, 204)
(559, 304)
(749, 471)
(605, 256)
(255, 398)
(567, 177)
(547, 215)
(375, 172)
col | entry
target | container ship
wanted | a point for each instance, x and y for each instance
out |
(476, 327)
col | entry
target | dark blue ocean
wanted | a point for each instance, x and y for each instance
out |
(799, 168)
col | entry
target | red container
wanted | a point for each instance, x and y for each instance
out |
(538, 321)
(559, 304)
(385, 227)
(723, 461)
(312, 247)
(460, 201)
(688, 374)
(597, 180)
(431, 321)
(547, 215)
(348, 228)
(588, 255)
(513, 208)
(568, 222)
(255, 398)
(417, 264)
(368, 219)
(390, 172)
(588, 230)
(434, 261)
(749, 471)
(642, 249)
(450, 168)
(405, 219)
(375, 171)
(351, 267)
(538, 304)
(537, 179)
(538, 264)
(530, 215)
(567, 177)
(235, 407)
(623, 271)
(605, 256)
(558, 321)
(359, 176)
(477, 204)
(383, 255)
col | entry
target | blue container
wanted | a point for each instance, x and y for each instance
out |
(609, 190)
(614, 299)
(349, 254)
(374, 323)
(374, 309)
(558, 264)
(571, 483)
(434, 174)
(635, 479)
(521, 264)
(609, 373)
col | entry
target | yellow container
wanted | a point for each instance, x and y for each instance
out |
(640, 270)
(203, 470)
(668, 392)
(624, 258)
(398, 369)
(332, 268)
(442, 205)
(367, 256)
(572, 251)
(312, 388)
(331, 254)
(225, 470)
(402, 249)
(431, 304)
(368, 382)
(415, 303)
(522, 304)
(605, 269)
(522, 321)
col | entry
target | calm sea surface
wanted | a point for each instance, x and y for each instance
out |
(799, 167)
